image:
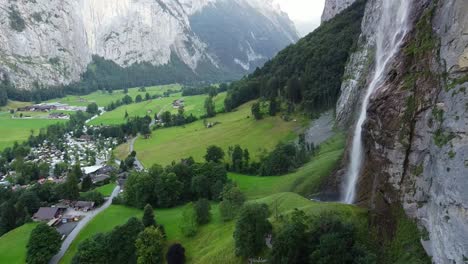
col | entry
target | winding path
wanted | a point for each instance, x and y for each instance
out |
(68, 241)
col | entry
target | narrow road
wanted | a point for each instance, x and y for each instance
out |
(67, 242)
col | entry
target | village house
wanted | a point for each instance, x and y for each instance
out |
(178, 103)
(84, 206)
(48, 213)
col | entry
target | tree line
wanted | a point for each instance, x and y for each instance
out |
(308, 73)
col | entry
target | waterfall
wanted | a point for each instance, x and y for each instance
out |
(391, 30)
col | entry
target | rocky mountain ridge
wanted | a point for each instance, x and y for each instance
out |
(415, 137)
(52, 41)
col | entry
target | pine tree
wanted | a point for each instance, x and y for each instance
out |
(148, 216)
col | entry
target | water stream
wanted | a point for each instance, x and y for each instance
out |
(391, 30)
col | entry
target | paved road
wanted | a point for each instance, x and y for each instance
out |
(67, 242)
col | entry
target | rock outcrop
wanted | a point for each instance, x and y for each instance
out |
(415, 137)
(52, 41)
(333, 7)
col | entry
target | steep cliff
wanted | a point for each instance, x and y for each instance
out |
(415, 136)
(52, 41)
(334, 7)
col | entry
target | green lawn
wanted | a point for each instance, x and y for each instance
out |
(12, 130)
(13, 244)
(107, 189)
(152, 107)
(306, 180)
(103, 99)
(193, 105)
(169, 144)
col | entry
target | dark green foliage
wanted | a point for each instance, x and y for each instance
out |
(323, 239)
(210, 107)
(150, 245)
(148, 216)
(214, 153)
(190, 91)
(92, 109)
(232, 201)
(71, 190)
(86, 184)
(251, 229)
(118, 246)
(176, 254)
(175, 184)
(44, 242)
(285, 158)
(93, 196)
(93, 250)
(273, 107)
(202, 210)
(138, 99)
(256, 111)
(3, 95)
(308, 72)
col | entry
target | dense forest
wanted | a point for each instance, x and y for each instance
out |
(308, 73)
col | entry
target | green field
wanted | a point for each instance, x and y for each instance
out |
(12, 130)
(13, 245)
(193, 105)
(213, 242)
(107, 189)
(104, 98)
(169, 144)
(306, 180)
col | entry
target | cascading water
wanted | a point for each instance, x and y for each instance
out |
(392, 28)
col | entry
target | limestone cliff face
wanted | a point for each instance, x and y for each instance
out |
(415, 137)
(333, 7)
(52, 41)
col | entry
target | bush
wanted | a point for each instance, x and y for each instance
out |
(251, 229)
(93, 196)
(202, 209)
(44, 243)
(188, 225)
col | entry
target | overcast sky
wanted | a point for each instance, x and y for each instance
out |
(305, 13)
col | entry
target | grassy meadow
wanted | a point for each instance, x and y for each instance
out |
(13, 244)
(175, 143)
(106, 190)
(104, 98)
(193, 105)
(12, 130)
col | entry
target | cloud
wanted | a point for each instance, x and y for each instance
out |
(305, 13)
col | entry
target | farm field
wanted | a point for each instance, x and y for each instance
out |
(169, 144)
(13, 244)
(103, 99)
(193, 105)
(20, 129)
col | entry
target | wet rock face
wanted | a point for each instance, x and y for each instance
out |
(416, 142)
(334, 7)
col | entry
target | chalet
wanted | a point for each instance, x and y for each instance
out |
(58, 116)
(48, 213)
(100, 178)
(178, 103)
(84, 206)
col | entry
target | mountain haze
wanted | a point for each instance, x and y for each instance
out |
(53, 41)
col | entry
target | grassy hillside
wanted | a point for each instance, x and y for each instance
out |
(13, 245)
(193, 105)
(103, 99)
(214, 242)
(12, 130)
(306, 180)
(167, 145)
